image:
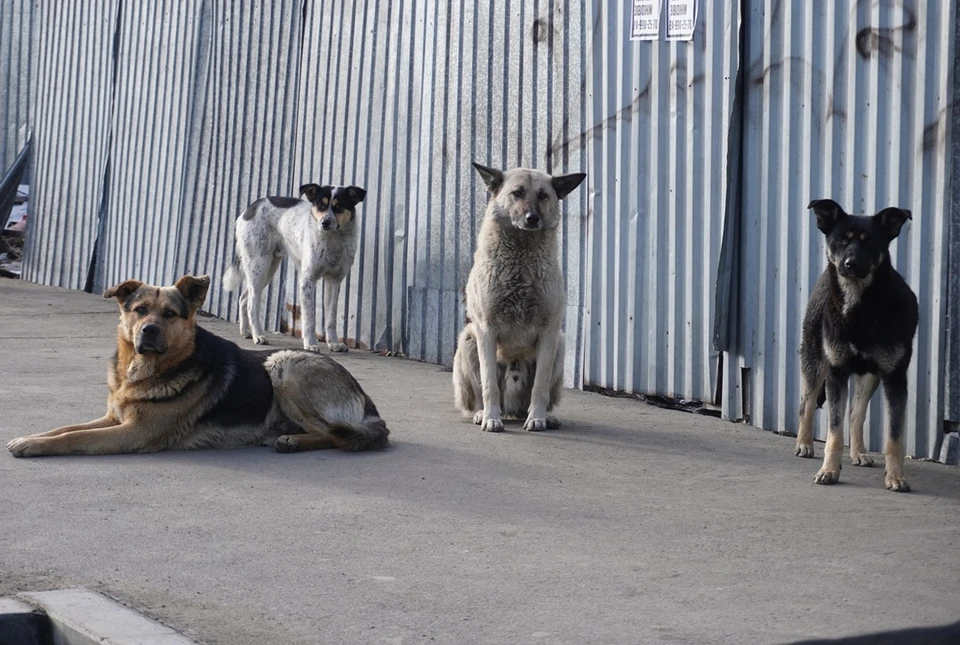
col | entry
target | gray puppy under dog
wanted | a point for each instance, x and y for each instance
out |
(509, 358)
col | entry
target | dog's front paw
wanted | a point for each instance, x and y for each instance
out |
(260, 340)
(861, 460)
(24, 447)
(535, 425)
(312, 348)
(897, 483)
(286, 443)
(827, 476)
(804, 450)
(478, 417)
(337, 347)
(492, 425)
(245, 334)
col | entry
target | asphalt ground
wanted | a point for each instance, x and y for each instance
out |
(630, 524)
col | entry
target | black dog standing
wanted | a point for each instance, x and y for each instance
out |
(860, 320)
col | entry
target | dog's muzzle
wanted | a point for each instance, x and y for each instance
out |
(532, 222)
(328, 223)
(852, 268)
(150, 339)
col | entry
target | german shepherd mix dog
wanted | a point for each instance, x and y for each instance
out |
(174, 385)
(320, 235)
(509, 358)
(861, 320)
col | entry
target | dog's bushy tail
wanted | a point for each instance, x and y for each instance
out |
(369, 434)
(232, 278)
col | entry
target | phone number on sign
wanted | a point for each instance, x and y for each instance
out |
(684, 24)
(644, 24)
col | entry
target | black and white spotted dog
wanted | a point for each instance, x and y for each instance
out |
(319, 233)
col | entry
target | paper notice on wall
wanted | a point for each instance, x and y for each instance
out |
(645, 23)
(681, 19)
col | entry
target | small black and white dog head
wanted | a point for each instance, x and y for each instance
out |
(857, 245)
(332, 206)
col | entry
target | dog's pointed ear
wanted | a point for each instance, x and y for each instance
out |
(891, 220)
(828, 213)
(123, 290)
(193, 289)
(492, 177)
(564, 184)
(356, 193)
(310, 191)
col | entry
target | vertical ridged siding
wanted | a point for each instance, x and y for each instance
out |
(848, 101)
(216, 104)
(406, 96)
(952, 374)
(660, 114)
(72, 56)
(204, 125)
(16, 68)
(141, 167)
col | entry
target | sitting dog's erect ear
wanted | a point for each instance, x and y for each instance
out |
(193, 289)
(356, 193)
(310, 191)
(828, 213)
(891, 220)
(123, 290)
(492, 177)
(564, 184)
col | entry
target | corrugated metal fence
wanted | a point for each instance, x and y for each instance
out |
(661, 114)
(689, 254)
(198, 108)
(16, 69)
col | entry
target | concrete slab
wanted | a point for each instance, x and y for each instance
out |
(85, 617)
(630, 524)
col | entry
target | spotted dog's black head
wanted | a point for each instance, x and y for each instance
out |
(857, 245)
(333, 206)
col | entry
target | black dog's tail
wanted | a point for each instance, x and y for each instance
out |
(822, 395)
(369, 434)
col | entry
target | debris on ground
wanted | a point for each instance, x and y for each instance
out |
(12, 237)
(668, 402)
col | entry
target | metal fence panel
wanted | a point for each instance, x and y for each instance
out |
(70, 116)
(424, 89)
(952, 375)
(206, 94)
(17, 22)
(848, 101)
(358, 106)
(660, 115)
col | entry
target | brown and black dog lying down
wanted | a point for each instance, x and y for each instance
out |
(176, 386)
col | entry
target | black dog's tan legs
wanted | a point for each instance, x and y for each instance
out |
(837, 384)
(866, 386)
(812, 382)
(895, 396)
